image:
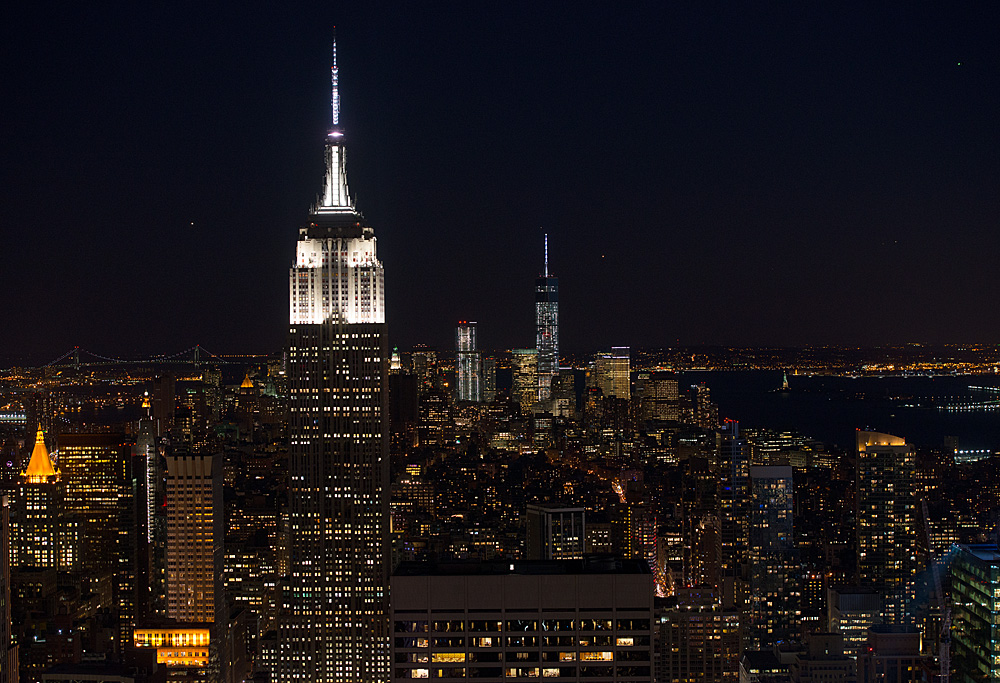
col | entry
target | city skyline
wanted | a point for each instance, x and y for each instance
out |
(764, 163)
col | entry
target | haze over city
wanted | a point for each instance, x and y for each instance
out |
(738, 174)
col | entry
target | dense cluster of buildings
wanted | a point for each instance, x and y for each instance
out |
(343, 512)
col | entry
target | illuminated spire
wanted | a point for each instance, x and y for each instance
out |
(336, 197)
(334, 84)
(546, 254)
(247, 382)
(40, 467)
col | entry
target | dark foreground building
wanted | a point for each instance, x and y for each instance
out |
(575, 620)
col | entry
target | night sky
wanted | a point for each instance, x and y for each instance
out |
(741, 172)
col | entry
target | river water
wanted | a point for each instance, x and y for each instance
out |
(923, 410)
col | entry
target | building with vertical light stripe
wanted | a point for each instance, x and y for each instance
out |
(333, 623)
(467, 363)
(547, 329)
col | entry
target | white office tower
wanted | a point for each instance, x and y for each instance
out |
(467, 363)
(333, 624)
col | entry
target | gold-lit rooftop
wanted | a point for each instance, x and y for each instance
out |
(247, 382)
(866, 439)
(40, 467)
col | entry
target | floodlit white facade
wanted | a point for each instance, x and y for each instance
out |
(332, 626)
(336, 278)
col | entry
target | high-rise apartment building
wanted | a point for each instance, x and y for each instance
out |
(886, 526)
(333, 624)
(547, 329)
(734, 502)
(773, 605)
(467, 363)
(525, 380)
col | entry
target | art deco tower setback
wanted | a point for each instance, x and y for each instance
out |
(333, 625)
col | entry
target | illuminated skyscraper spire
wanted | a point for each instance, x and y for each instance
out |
(336, 197)
(546, 254)
(335, 86)
(547, 329)
(333, 625)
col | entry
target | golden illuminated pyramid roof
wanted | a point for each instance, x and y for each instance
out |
(40, 467)
(247, 382)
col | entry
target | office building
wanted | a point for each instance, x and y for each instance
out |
(887, 524)
(8, 648)
(333, 623)
(547, 329)
(892, 653)
(975, 585)
(488, 383)
(823, 661)
(425, 367)
(94, 468)
(697, 638)
(525, 371)
(467, 364)
(772, 612)
(555, 533)
(44, 536)
(575, 620)
(612, 372)
(194, 537)
(851, 612)
(660, 397)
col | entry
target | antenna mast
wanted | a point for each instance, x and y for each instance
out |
(546, 254)
(334, 83)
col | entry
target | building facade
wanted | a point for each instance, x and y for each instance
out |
(467, 364)
(333, 622)
(575, 620)
(547, 329)
(975, 637)
(524, 363)
(887, 533)
(773, 604)
(555, 533)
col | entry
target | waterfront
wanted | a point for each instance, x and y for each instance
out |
(831, 408)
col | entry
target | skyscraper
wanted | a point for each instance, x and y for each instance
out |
(773, 605)
(612, 370)
(467, 363)
(547, 329)
(93, 467)
(44, 537)
(333, 624)
(8, 648)
(886, 499)
(194, 537)
(525, 380)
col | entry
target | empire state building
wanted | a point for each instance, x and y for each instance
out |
(333, 623)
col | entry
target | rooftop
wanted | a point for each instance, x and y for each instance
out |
(592, 564)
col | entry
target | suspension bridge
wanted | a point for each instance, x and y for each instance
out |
(78, 358)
